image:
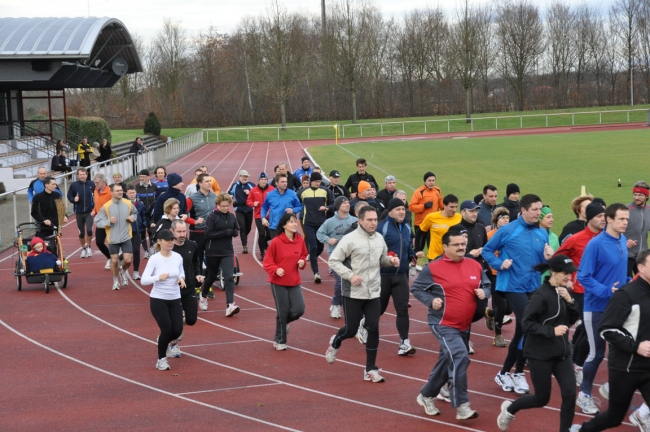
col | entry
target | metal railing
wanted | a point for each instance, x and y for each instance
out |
(34, 140)
(127, 165)
(426, 126)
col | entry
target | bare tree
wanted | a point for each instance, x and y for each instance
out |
(612, 62)
(172, 46)
(380, 42)
(643, 53)
(561, 39)
(520, 35)
(597, 42)
(623, 23)
(586, 18)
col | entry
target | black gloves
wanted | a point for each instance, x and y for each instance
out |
(428, 205)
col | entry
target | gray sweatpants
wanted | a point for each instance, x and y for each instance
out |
(453, 361)
(290, 306)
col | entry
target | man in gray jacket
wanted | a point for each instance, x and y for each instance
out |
(638, 225)
(330, 233)
(200, 206)
(116, 217)
(357, 259)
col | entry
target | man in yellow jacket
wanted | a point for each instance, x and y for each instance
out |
(438, 223)
(426, 199)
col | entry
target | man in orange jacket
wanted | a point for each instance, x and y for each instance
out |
(425, 200)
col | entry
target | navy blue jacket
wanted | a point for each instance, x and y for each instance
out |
(239, 196)
(398, 240)
(159, 207)
(86, 199)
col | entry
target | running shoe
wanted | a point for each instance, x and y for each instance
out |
(588, 404)
(489, 321)
(520, 383)
(146, 255)
(575, 428)
(174, 351)
(83, 253)
(604, 391)
(116, 284)
(578, 371)
(428, 404)
(136, 275)
(162, 364)
(89, 252)
(279, 346)
(504, 381)
(203, 303)
(245, 251)
(330, 354)
(211, 294)
(470, 348)
(504, 418)
(232, 309)
(465, 412)
(506, 320)
(152, 251)
(125, 277)
(643, 423)
(335, 312)
(499, 341)
(317, 278)
(405, 348)
(108, 264)
(444, 394)
(373, 375)
(362, 333)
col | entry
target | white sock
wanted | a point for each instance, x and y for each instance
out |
(644, 411)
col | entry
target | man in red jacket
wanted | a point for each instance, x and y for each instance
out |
(256, 199)
(450, 286)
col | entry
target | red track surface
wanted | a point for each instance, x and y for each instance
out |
(83, 358)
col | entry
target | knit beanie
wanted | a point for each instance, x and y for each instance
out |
(363, 185)
(545, 211)
(338, 201)
(593, 209)
(316, 176)
(394, 203)
(512, 188)
(173, 179)
(428, 174)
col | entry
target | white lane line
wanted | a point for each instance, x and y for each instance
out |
(199, 161)
(217, 343)
(140, 384)
(229, 388)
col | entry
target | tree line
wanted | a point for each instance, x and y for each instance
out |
(282, 66)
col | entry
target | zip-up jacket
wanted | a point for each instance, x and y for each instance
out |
(191, 265)
(334, 227)
(360, 253)
(220, 229)
(573, 227)
(637, 228)
(574, 247)
(163, 223)
(85, 191)
(604, 262)
(513, 207)
(353, 181)
(121, 230)
(101, 198)
(35, 187)
(201, 207)
(421, 196)
(276, 204)
(336, 191)
(240, 197)
(476, 238)
(544, 311)
(147, 193)
(385, 196)
(140, 224)
(454, 283)
(625, 324)
(293, 182)
(301, 172)
(373, 203)
(485, 214)
(312, 199)
(161, 186)
(398, 240)
(258, 194)
(159, 207)
(285, 254)
(524, 244)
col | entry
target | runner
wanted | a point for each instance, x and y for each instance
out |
(305, 168)
(161, 180)
(44, 209)
(500, 307)
(366, 252)
(361, 175)
(171, 208)
(286, 255)
(511, 201)
(426, 199)
(450, 287)
(215, 184)
(386, 194)
(240, 191)
(638, 226)
(578, 206)
(200, 205)
(101, 196)
(277, 202)
(487, 205)
(175, 183)
(138, 228)
(549, 314)
(438, 223)
(165, 271)
(80, 194)
(255, 200)
(146, 193)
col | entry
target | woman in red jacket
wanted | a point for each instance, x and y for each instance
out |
(256, 199)
(284, 257)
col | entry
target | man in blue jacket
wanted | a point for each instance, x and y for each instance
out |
(80, 194)
(37, 186)
(603, 269)
(395, 281)
(176, 184)
(279, 202)
(521, 245)
(239, 192)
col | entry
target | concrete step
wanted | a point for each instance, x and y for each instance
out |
(30, 169)
(14, 157)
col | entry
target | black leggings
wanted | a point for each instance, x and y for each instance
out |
(100, 241)
(227, 265)
(397, 286)
(199, 238)
(169, 316)
(540, 375)
(354, 310)
(245, 221)
(313, 245)
(263, 235)
(515, 355)
(422, 239)
(190, 305)
(135, 243)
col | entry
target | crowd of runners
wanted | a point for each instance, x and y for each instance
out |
(487, 260)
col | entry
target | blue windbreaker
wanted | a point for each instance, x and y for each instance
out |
(276, 204)
(398, 240)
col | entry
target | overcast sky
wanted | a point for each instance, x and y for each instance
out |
(145, 17)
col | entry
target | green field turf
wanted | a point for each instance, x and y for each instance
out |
(124, 135)
(552, 166)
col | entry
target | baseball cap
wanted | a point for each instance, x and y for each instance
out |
(389, 178)
(335, 173)
(562, 263)
(469, 205)
(243, 173)
(165, 234)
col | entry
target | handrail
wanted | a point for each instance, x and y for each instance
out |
(31, 138)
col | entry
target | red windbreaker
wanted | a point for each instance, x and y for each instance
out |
(285, 254)
(259, 195)
(573, 247)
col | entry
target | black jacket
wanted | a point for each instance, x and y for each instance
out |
(293, 182)
(147, 196)
(219, 231)
(354, 179)
(573, 227)
(546, 310)
(159, 206)
(384, 196)
(336, 192)
(624, 324)
(135, 148)
(44, 208)
(191, 265)
(104, 153)
(476, 238)
(512, 206)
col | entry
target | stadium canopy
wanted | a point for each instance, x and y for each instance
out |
(59, 53)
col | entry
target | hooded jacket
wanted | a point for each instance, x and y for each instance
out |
(421, 196)
(524, 244)
(360, 253)
(398, 240)
(637, 228)
(544, 311)
(285, 253)
(334, 227)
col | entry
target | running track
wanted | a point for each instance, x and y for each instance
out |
(84, 357)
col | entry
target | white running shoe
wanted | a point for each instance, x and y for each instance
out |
(83, 253)
(232, 309)
(116, 284)
(578, 371)
(604, 391)
(444, 394)
(643, 423)
(520, 383)
(152, 251)
(317, 278)
(465, 412)
(362, 333)
(89, 252)
(575, 428)
(373, 375)
(108, 264)
(504, 381)
(279, 346)
(136, 275)
(506, 320)
(405, 348)
(335, 312)
(588, 404)
(173, 350)
(428, 404)
(162, 364)
(146, 255)
(330, 354)
(470, 349)
(504, 418)
(125, 277)
(203, 303)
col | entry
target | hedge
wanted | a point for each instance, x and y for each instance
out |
(95, 128)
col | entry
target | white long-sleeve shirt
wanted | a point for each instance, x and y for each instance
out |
(157, 265)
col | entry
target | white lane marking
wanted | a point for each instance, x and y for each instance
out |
(217, 343)
(229, 388)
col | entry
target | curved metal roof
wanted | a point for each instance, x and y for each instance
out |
(86, 40)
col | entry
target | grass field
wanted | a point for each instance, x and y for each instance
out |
(124, 135)
(552, 166)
